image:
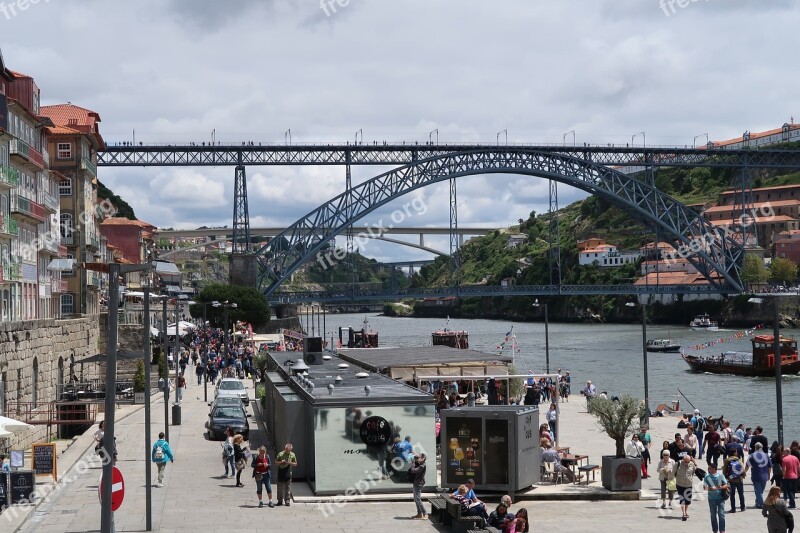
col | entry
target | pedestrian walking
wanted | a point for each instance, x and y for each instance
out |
(227, 453)
(699, 424)
(198, 371)
(762, 470)
(779, 518)
(285, 460)
(791, 466)
(98, 436)
(181, 387)
(734, 473)
(552, 420)
(261, 464)
(684, 478)
(717, 487)
(666, 476)
(160, 454)
(240, 452)
(417, 477)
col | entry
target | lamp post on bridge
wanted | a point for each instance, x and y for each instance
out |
(646, 419)
(644, 139)
(498, 136)
(564, 138)
(546, 336)
(436, 131)
(776, 339)
(697, 137)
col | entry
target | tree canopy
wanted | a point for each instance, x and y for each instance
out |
(783, 271)
(251, 306)
(617, 419)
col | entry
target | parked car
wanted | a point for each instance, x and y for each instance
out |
(228, 401)
(232, 387)
(227, 416)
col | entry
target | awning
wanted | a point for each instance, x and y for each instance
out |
(57, 265)
(173, 288)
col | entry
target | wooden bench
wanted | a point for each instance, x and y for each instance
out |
(585, 469)
(460, 523)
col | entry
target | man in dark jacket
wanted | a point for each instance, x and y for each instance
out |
(418, 469)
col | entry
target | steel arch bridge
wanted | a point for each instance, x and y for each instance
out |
(715, 254)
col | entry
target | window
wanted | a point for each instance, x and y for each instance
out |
(65, 187)
(66, 225)
(63, 151)
(67, 304)
(70, 271)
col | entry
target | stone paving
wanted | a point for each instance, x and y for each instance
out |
(196, 497)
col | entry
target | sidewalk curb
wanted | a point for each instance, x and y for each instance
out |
(82, 443)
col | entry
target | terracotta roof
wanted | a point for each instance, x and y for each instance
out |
(786, 240)
(18, 74)
(757, 135)
(63, 130)
(777, 203)
(672, 278)
(795, 186)
(74, 117)
(122, 221)
(758, 219)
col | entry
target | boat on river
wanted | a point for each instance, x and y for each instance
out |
(759, 362)
(704, 323)
(662, 345)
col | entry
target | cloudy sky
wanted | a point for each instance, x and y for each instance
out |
(175, 70)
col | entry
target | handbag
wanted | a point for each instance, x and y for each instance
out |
(240, 465)
(672, 485)
(700, 473)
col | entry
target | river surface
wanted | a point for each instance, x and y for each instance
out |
(611, 356)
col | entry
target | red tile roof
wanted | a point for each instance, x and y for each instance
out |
(74, 117)
(122, 221)
(777, 203)
(795, 186)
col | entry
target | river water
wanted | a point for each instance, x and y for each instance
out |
(611, 356)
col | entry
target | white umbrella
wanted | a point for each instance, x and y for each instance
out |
(5, 434)
(12, 425)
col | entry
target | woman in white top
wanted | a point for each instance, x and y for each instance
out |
(666, 473)
(634, 448)
(690, 440)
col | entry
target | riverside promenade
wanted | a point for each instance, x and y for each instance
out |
(195, 497)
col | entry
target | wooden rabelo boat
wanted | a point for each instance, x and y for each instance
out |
(761, 362)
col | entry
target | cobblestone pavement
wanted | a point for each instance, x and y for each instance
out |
(195, 497)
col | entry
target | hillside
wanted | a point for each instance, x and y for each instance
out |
(123, 209)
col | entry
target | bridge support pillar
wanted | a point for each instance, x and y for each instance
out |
(244, 270)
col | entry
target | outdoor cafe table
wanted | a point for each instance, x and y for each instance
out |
(573, 461)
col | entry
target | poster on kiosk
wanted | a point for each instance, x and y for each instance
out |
(464, 450)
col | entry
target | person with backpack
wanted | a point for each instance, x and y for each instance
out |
(717, 487)
(416, 475)
(700, 425)
(160, 454)
(734, 471)
(261, 466)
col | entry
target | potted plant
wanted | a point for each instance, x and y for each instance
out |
(618, 419)
(138, 383)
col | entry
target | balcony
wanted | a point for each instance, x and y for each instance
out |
(9, 177)
(88, 166)
(26, 154)
(50, 245)
(50, 202)
(9, 228)
(10, 273)
(60, 286)
(27, 210)
(92, 241)
(93, 280)
(68, 239)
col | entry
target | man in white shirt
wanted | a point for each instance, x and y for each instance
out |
(590, 391)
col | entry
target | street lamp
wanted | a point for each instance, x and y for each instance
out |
(430, 136)
(776, 339)
(644, 138)
(698, 136)
(546, 336)
(498, 136)
(644, 361)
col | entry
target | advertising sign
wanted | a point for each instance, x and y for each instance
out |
(462, 456)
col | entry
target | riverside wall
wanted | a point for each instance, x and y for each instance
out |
(35, 357)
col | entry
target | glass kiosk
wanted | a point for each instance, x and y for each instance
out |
(497, 446)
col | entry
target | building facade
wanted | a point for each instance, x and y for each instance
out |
(29, 207)
(74, 139)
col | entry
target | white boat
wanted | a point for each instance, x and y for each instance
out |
(662, 345)
(704, 323)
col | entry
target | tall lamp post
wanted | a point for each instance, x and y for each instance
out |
(646, 419)
(165, 376)
(546, 336)
(776, 338)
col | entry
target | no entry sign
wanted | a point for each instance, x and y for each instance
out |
(117, 489)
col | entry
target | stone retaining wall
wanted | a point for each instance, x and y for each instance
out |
(35, 357)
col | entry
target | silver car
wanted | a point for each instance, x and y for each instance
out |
(232, 387)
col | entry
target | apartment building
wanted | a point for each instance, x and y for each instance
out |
(132, 238)
(29, 209)
(74, 139)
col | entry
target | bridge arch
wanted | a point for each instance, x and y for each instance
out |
(715, 254)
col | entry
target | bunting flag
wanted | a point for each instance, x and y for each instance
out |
(509, 338)
(735, 337)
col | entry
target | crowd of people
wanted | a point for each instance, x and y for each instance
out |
(731, 456)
